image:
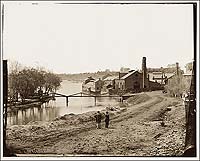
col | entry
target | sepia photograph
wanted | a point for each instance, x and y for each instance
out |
(99, 80)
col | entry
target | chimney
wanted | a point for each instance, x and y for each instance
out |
(162, 75)
(161, 69)
(144, 73)
(177, 69)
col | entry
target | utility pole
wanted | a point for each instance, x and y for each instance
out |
(5, 101)
(5, 89)
(190, 138)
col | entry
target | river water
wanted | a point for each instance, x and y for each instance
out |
(57, 108)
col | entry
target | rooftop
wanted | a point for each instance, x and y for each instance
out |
(159, 75)
(127, 75)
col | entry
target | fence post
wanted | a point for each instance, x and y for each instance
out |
(67, 101)
(95, 101)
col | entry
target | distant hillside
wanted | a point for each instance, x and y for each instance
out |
(83, 76)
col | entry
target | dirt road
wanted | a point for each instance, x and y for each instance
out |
(151, 124)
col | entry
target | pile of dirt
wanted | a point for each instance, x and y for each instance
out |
(60, 122)
(134, 130)
(136, 99)
(72, 119)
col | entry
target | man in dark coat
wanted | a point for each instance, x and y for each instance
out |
(98, 119)
(107, 119)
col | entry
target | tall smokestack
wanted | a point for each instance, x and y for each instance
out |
(144, 73)
(177, 69)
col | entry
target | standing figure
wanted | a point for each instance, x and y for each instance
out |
(98, 119)
(107, 119)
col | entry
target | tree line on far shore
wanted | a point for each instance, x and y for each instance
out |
(28, 82)
(82, 76)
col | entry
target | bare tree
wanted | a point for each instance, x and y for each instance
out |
(177, 85)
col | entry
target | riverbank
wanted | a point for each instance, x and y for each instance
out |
(28, 104)
(151, 124)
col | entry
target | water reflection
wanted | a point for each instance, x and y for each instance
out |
(52, 109)
(45, 112)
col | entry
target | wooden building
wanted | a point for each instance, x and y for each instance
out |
(108, 83)
(90, 85)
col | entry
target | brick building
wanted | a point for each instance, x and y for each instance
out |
(132, 81)
(135, 81)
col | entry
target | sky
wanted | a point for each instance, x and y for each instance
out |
(77, 38)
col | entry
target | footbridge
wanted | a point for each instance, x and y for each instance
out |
(83, 94)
